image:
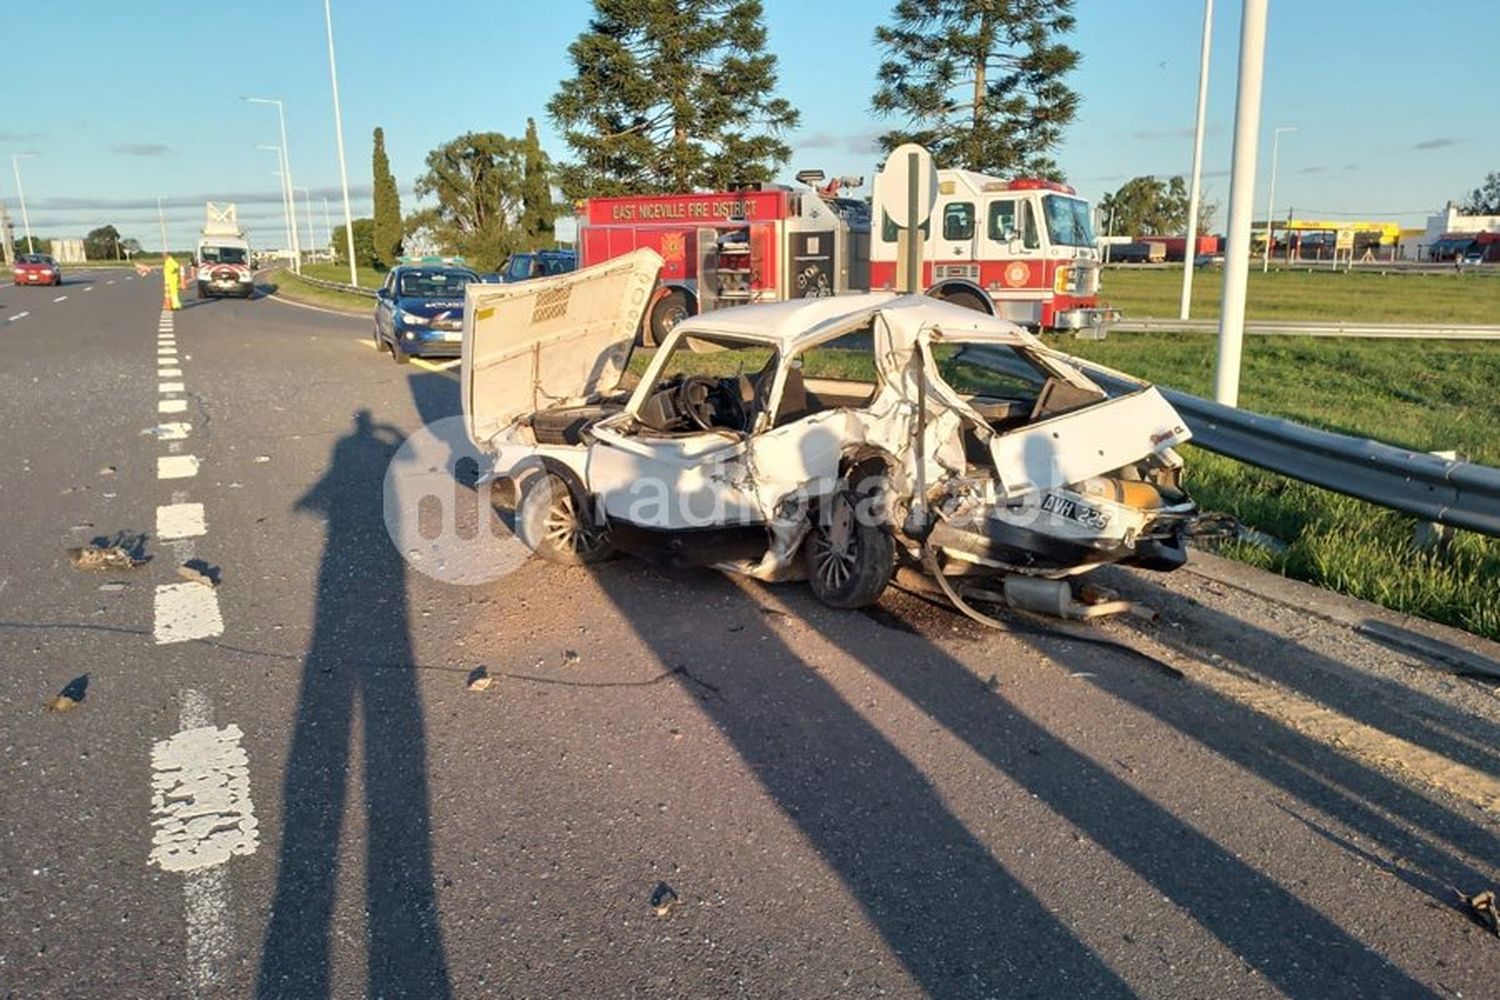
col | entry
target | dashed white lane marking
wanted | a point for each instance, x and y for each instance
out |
(180, 520)
(172, 406)
(111, 281)
(186, 611)
(203, 816)
(169, 387)
(170, 431)
(60, 298)
(176, 466)
(20, 315)
(88, 288)
(169, 373)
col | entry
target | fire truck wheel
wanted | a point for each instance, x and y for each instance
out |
(968, 300)
(670, 309)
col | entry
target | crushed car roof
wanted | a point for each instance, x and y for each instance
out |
(797, 322)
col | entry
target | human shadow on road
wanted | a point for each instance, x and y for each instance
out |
(357, 664)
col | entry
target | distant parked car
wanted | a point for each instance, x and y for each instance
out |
(539, 264)
(37, 269)
(1475, 254)
(419, 311)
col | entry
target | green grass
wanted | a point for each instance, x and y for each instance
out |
(289, 286)
(1360, 296)
(1428, 396)
(368, 276)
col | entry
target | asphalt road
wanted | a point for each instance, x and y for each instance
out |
(306, 800)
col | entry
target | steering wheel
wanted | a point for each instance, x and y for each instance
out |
(709, 404)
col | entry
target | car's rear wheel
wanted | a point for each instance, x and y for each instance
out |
(554, 524)
(850, 557)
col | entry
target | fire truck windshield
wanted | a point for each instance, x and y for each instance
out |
(1068, 221)
(223, 255)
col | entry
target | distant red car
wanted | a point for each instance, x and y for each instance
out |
(37, 269)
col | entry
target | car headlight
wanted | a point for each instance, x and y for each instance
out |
(414, 319)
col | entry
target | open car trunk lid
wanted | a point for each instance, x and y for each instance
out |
(534, 344)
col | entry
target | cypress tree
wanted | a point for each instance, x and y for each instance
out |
(387, 207)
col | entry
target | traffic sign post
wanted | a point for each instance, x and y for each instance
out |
(906, 190)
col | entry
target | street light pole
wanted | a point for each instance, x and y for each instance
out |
(161, 218)
(1195, 188)
(15, 165)
(338, 131)
(288, 210)
(1241, 202)
(1265, 264)
(286, 173)
(307, 204)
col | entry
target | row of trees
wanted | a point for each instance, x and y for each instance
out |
(672, 95)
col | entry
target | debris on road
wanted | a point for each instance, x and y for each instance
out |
(198, 571)
(96, 558)
(108, 470)
(68, 698)
(113, 586)
(1481, 907)
(663, 899)
(570, 658)
(479, 679)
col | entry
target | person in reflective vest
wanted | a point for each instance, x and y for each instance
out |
(171, 276)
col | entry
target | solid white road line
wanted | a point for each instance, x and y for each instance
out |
(186, 611)
(180, 520)
(172, 406)
(176, 466)
(203, 816)
(169, 387)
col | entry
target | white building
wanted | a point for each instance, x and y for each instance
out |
(1450, 222)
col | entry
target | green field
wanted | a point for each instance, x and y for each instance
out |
(1359, 296)
(1429, 396)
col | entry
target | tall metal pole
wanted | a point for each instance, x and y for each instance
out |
(338, 131)
(1265, 263)
(285, 162)
(307, 204)
(288, 209)
(327, 224)
(161, 218)
(1241, 197)
(1195, 187)
(15, 165)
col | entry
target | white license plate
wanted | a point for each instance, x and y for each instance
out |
(450, 337)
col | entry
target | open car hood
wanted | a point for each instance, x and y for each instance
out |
(540, 343)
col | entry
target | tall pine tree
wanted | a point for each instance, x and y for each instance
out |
(979, 82)
(387, 207)
(671, 95)
(537, 207)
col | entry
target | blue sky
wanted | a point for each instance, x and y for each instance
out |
(130, 102)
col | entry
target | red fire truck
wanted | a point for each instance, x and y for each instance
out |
(1022, 249)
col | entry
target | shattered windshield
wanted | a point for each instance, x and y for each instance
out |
(1068, 221)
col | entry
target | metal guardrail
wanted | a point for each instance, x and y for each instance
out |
(1459, 494)
(1307, 328)
(335, 286)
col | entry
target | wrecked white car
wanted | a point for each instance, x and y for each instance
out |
(827, 438)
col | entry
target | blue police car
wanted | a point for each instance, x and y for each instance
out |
(419, 311)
